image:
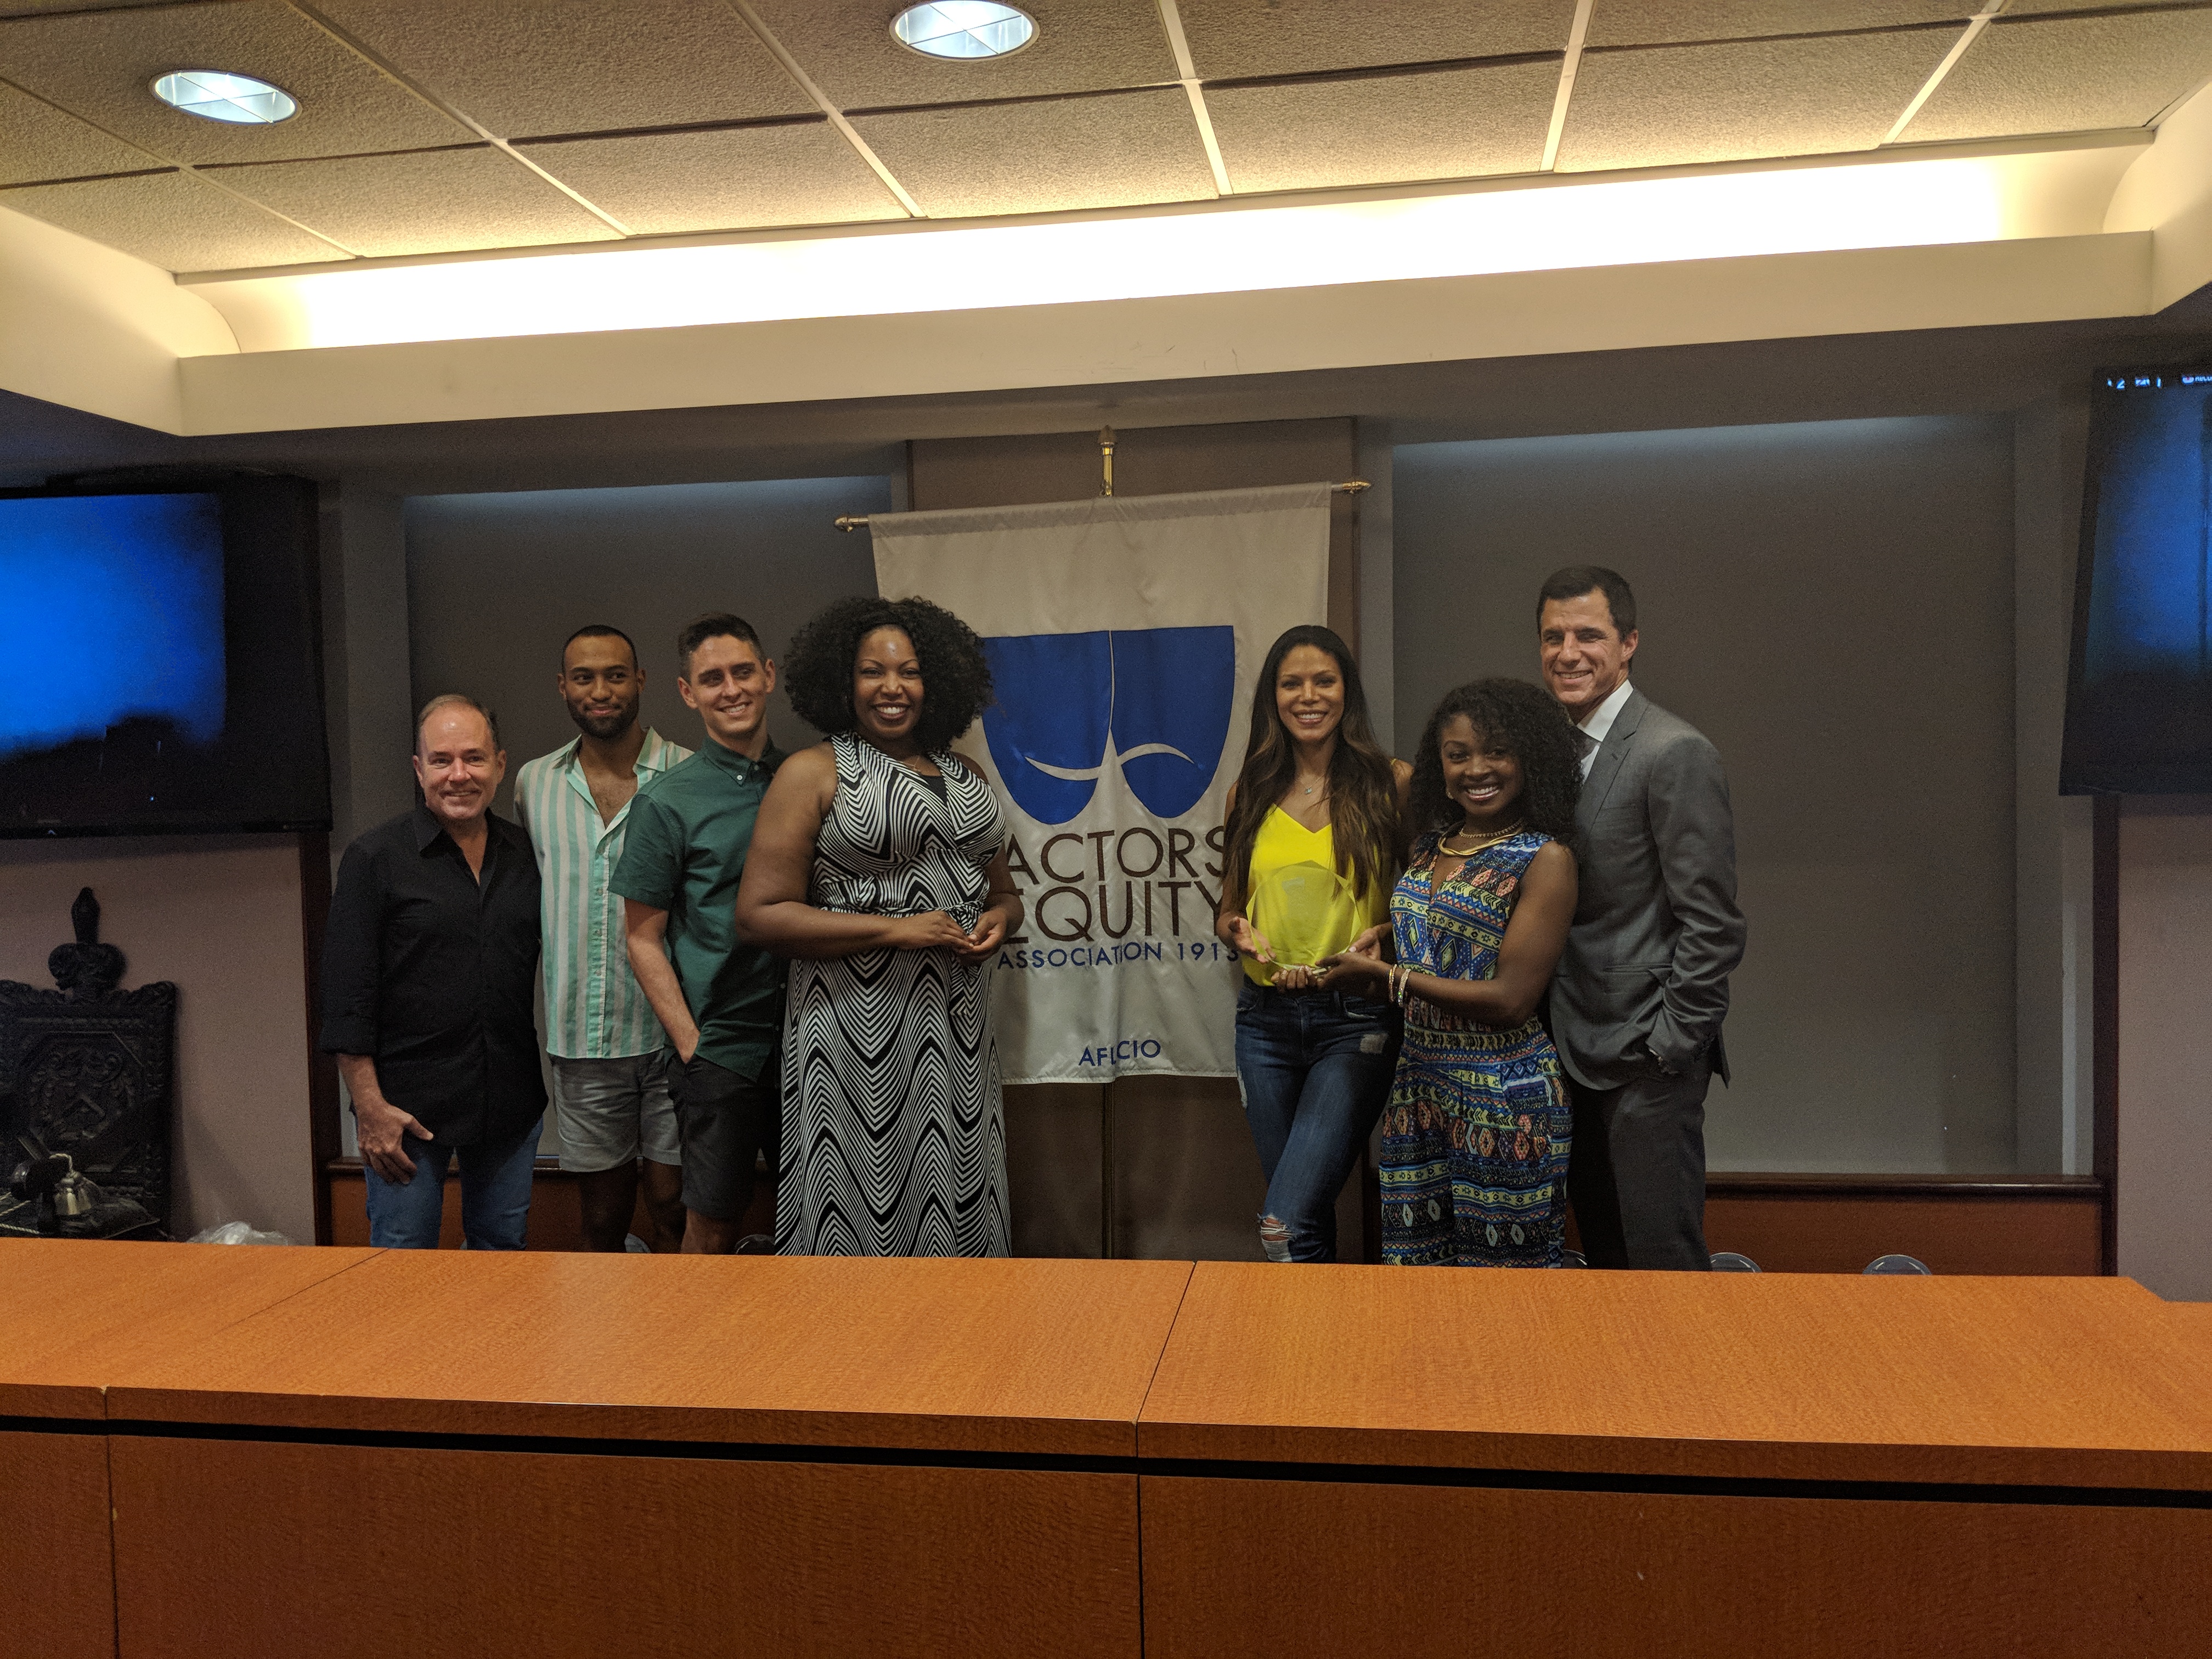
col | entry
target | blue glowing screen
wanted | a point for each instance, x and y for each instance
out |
(111, 610)
(2139, 707)
(2150, 606)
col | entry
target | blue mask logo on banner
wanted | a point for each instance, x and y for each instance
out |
(1067, 705)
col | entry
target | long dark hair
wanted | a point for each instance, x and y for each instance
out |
(1527, 724)
(1364, 819)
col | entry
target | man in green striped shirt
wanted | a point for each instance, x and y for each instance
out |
(610, 1054)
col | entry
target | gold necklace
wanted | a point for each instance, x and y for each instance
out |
(1444, 846)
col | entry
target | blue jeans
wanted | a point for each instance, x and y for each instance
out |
(495, 1195)
(1315, 1067)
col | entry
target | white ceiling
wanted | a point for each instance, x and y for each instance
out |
(433, 126)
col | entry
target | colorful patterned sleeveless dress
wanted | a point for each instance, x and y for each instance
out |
(1475, 1137)
(894, 1142)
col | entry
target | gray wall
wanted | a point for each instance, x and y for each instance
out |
(2166, 1044)
(220, 916)
(2053, 842)
(368, 690)
(1832, 604)
(497, 582)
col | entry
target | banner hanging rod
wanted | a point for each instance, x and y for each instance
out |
(1349, 486)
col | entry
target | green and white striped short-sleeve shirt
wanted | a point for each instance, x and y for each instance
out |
(594, 1006)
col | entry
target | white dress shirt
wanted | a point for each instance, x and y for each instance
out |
(1598, 722)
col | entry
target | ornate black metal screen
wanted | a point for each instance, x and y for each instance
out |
(86, 1069)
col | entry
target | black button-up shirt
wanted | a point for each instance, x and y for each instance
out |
(431, 974)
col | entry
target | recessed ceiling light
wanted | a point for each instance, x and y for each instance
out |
(216, 96)
(963, 28)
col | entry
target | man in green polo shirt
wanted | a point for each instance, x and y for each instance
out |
(721, 1002)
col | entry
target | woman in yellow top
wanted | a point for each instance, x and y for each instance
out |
(1313, 841)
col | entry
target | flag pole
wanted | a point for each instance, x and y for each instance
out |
(1350, 487)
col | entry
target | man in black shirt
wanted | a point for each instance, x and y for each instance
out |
(428, 972)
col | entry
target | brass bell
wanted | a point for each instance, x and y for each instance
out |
(74, 1197)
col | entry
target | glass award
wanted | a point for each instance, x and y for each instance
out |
(1307, 911)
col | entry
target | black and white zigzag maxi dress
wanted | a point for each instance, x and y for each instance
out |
(894, 1142)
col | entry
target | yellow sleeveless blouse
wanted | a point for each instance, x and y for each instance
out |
(1294, 895)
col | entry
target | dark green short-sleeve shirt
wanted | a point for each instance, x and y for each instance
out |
(690, 828)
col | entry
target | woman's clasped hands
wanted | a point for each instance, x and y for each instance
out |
(936, 930)
(1360, 966)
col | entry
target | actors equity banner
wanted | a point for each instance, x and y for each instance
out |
(1124, 634)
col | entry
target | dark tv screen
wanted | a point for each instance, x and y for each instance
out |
(165, 661)
(2139, 693)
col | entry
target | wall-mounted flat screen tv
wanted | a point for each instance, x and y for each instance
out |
(164, 659)
(2139, 693)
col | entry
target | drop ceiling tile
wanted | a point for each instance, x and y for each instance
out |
(1081, 45)
(1668, 105)
(538, 66)
(101, 65)
(2068, 75)
(1231, 39)
(734, 178)
(1639, 23)
(426, 201)
(38, 141)
(1115, 150)
(173, 220)
(1381, 128)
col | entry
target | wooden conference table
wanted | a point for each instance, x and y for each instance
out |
(72, 1314)
(358, 1452)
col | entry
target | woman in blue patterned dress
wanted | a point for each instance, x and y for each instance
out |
(1475, 1136)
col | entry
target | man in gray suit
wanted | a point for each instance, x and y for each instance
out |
(1638, 998)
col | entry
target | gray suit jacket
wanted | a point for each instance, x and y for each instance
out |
(1657, 930)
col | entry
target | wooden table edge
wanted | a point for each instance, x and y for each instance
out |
(1421, 1452)
(71, 1402)
(804, 1430)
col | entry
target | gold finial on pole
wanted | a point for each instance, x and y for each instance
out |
(1106, 459)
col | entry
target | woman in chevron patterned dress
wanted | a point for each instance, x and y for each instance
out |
(1475, 1136)
(878, 866)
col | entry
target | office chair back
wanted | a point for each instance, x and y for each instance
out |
(1897, 1264)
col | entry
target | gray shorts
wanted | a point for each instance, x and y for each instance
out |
(611, 1110)
(729, 1126)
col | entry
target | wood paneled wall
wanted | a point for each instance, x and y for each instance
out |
(1956, 1224)
(1785, 1223)
(557, 1213)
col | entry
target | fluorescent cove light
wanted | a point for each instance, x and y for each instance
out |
(217, 95)
(921, 268)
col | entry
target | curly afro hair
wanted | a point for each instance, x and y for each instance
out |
(818, 673)
(1525, 722)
